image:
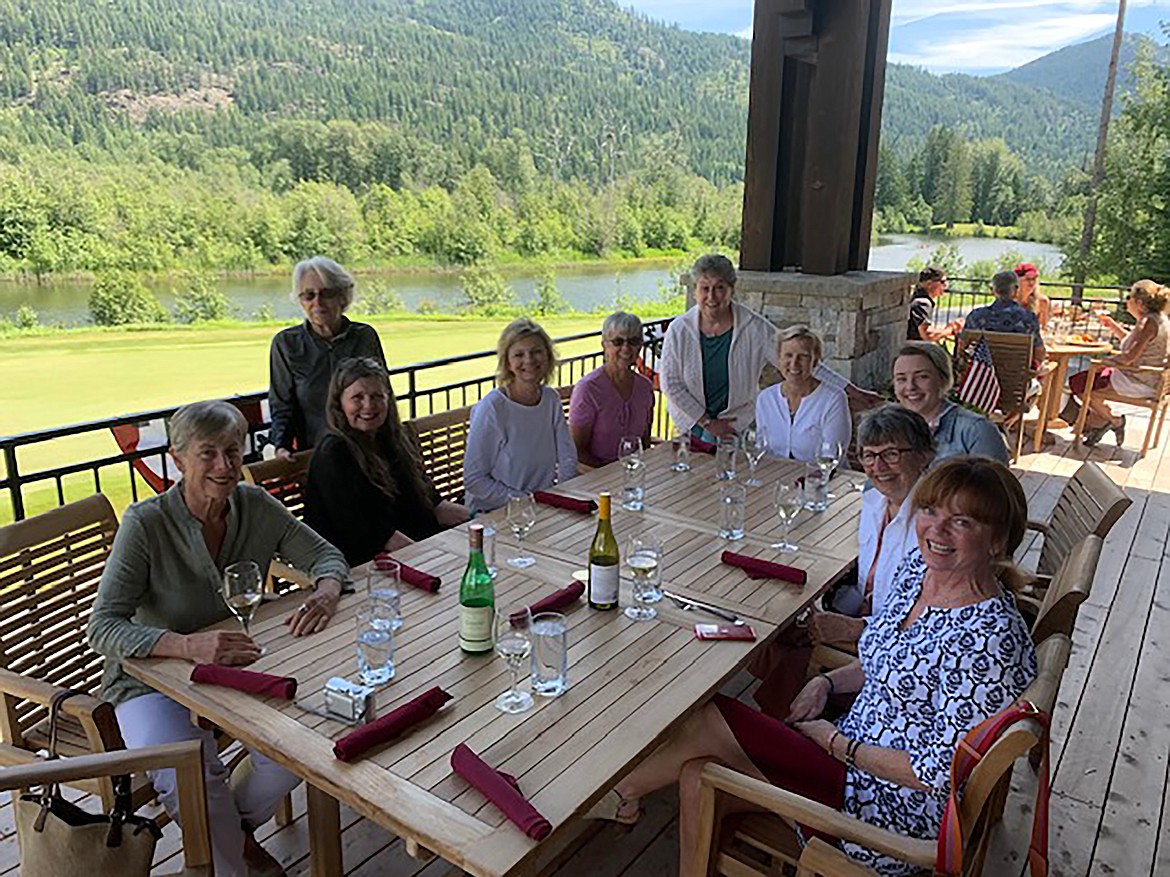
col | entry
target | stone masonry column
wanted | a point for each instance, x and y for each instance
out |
(860, 315)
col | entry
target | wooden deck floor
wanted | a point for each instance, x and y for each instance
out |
(1111, 735)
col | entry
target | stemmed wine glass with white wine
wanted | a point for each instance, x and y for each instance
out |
(514, 645)
(828, 458)
(755, 445)
(521, 516)
(789, 502)
(243, 587)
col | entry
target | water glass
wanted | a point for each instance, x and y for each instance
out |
(634, 485)
(755, 445)
(644, 559)
(375, 646)
(682, 452)
(816, 488)
(513, 629)
(733, 497)
(521, 516)
(382, 588)
(828, 457)
(550, 654)
(726, 453)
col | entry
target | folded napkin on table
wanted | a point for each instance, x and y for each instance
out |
(409, 574)
(501, 789)
(699, 446)
(557, 600)
(390, 725)
(584, 506)
(758, 568)
(245, 680)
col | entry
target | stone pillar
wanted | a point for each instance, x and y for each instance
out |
(860, 315)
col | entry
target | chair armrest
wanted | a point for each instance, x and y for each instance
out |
(827, 657)
(1139, 369)
(96, 717)
(1038, 526)
(819, 816)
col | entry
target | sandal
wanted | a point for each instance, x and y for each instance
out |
(614, 808)
(1119, 432)
(1092, 436)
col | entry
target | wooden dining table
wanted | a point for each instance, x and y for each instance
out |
(1060, 353)
(630, 683)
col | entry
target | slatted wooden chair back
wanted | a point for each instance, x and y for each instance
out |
(764, 845)
(284, 479)
(441, 440)
(1157, 404)
(1091, 503)
(1069, 589)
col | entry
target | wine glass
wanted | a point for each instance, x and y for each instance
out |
(521, 516)
(643, 556)
(514, 645)
(789, 502)
(827, 459)
(630, 450)
(755, 445)
(242, 589)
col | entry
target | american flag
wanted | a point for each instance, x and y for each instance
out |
(980, 387)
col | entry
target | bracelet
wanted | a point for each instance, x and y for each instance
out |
(832, 740)
(832, 687)
(851, 753)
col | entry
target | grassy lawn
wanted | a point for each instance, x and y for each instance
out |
(71, 377)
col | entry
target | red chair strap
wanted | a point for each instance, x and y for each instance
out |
(971, 749)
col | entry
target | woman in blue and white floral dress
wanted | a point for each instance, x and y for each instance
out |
(947, 650)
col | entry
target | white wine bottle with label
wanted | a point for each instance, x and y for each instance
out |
(604, 561)
(477, 599)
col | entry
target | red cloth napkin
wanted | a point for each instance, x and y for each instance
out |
(501, 789)
(699, 446)
(584, 506)
(390, 725)
(416, 577)
(757, 568)
(245, 680)
(556, 601)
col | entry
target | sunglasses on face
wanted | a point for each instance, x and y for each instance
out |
(622, 342)
(309, 295)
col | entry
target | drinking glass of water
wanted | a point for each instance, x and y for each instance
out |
(514, 645)
(521, 516)
(243, 588)
(550, 654)
(643, 557)
(755, 445)
(630, 448)
(375, 646)
(733, 498)
(383, 590)
(726, 453)
(789, 502)
(682, 452)
(634, 485)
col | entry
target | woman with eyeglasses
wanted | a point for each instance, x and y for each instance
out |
(895, 447)
(367, 489)
(303, 357)
(614, 400)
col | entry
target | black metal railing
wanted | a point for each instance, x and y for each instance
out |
(1070, 314)
(422, 388)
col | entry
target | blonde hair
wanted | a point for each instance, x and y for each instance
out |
(518, 330)
(800, 332)
(936, 356)
(1150, 295)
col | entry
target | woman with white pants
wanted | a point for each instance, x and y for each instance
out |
(161, 587)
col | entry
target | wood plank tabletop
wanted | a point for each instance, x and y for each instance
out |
(630, 682)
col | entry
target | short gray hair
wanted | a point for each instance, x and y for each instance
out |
(1005, 283)
(714, 263)
(892, 424)
(800, 332)
(201, 421)
(332, 275)
(620, 322)
(936, 356)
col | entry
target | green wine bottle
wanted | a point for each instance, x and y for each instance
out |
(477, 599)
(603, 561)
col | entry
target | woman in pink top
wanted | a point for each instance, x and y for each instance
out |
(612, 401)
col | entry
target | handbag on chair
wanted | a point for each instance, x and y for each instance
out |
(57, 837)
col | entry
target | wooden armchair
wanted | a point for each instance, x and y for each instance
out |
(1057, 613)
(50, 567)
(1091, 503)
(1011, 354)
(285, 480)
(88, 770)
(765, 844)
(1156, 404)
(441, 440)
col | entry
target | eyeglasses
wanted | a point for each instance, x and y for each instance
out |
(622, 342)
(889, 456)
(308, 295)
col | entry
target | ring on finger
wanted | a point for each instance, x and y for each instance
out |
(304, 607)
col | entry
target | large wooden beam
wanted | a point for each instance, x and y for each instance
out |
(761, 167)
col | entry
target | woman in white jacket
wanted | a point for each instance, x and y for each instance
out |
(712, 355)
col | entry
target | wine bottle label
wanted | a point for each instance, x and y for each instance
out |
(603, 583)
(475, 628)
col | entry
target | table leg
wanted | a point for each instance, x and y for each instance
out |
(324, 833)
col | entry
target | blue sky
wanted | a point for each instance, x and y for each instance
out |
(970, 36)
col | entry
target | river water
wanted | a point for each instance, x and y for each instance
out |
(584, 287)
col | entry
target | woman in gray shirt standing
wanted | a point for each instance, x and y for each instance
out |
(161, 587)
